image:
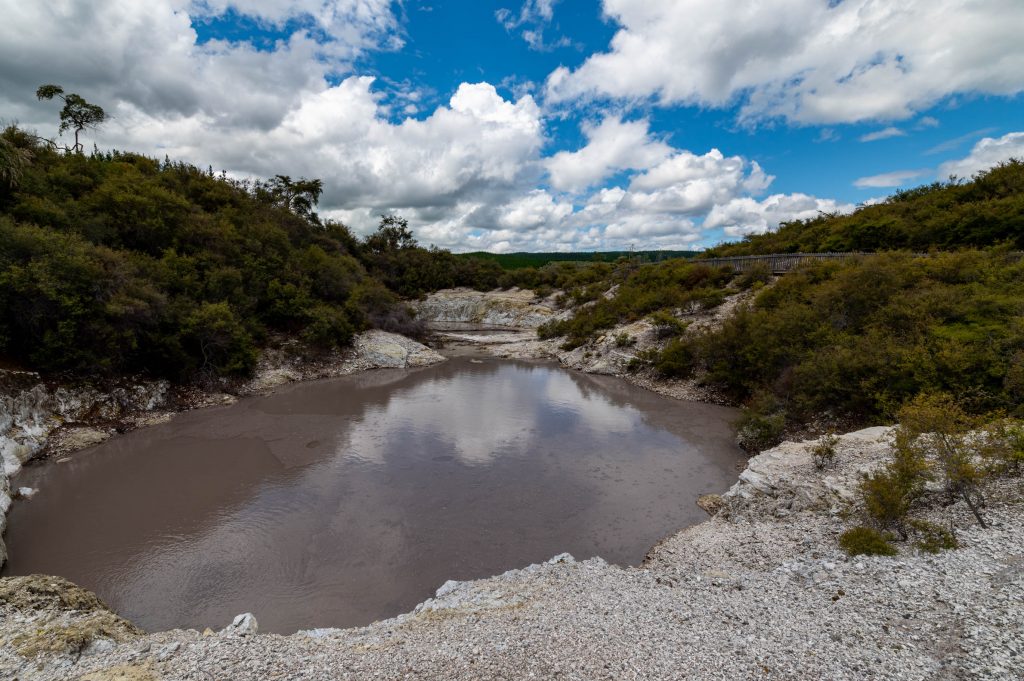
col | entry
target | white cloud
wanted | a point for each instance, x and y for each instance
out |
(533, 18)
(349, 24)
(986, 153)
(469, 174)
(885, 133)
(808, 61)
(745, 215)
(612, 145)
(895, 178)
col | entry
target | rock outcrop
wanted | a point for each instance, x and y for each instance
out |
(514, 308)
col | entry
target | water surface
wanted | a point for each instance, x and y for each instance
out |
(340, 502)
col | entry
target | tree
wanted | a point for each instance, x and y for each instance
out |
(393, 234)
(299, 196)
(77, 114)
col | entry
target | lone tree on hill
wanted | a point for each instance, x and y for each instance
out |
(77, 114)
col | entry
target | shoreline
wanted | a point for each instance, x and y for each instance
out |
(761, 589)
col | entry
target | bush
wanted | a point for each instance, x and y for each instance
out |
(889, 493)
(624, 340)
(933, 537)
(934, 427)
(328, 328)
(824, 451)
(865, 541)
(761, 424)
(675, 360)
(1004, 446)
(758, 273)
(667, 325)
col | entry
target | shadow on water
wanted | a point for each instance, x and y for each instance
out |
(339, 502)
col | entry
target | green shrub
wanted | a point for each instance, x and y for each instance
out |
(758, 273)
(624, 340)
(666, 325)
(328, 327)
(934, 427)
(675, 360)
(761, 424)
(933, 538)
(865, 541)
(824, 451)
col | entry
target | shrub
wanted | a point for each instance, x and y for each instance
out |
(667, 325)
(934, 538)
(328, 328)
(1004, 446)
(865, 541)
(758, 273)
(934, 426)
(624, 340)
(675, 360)
(824, 451)
(761, 424)
(889, 493)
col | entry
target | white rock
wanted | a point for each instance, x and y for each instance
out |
(243, 625)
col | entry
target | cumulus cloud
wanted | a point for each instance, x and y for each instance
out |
(612, 145)
(808, 61)
(743, 216)
(986, 153)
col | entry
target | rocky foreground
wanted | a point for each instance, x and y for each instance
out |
(759, 591)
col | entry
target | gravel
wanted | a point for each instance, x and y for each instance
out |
(761, 590)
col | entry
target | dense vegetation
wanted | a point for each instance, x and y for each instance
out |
(945, 215)
(513, 261)
(114, 262)
(861, 337)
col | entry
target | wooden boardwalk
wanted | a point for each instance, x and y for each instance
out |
(777, 263)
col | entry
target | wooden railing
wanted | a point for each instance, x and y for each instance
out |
(777, 263)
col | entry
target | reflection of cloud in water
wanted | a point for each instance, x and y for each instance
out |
(480, 417)
(593, 409)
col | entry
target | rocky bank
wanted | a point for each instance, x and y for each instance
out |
(457, 315)
(40, 418)
(759, 591)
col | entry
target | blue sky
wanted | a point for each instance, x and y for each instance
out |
(546, 124)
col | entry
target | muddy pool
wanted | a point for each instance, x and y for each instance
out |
(339, 502)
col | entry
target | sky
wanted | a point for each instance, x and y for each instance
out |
(543, 125)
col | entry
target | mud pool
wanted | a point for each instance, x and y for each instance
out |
(336, 503)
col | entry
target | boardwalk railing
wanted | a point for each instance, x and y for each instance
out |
(777, 263)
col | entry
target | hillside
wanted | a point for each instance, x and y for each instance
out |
(985, 211)
(112, 263)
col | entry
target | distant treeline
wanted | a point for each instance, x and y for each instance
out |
(985, 211)
(512, 261)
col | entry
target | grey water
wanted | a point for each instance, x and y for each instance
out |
(340, 502)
